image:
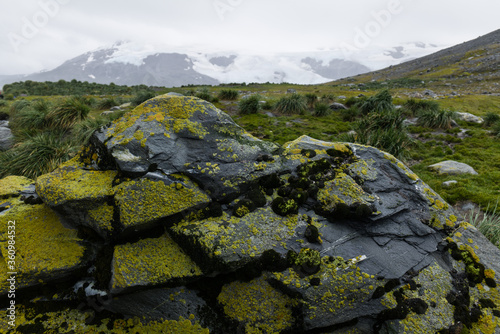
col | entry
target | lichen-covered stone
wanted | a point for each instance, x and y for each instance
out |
(150, 262)
(73, 184)
(228, 242)
(341, 292)
(257, 306)
(13, 186)
(144, 201)
(78, 320)
(43, 249)
(194, 213)
(178, 134)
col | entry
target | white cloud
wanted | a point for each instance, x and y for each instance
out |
(62, 29)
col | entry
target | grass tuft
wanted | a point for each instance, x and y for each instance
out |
(441, 119)
(488, 223)
(250, 105)
(293, 104)
(67, 113)
(228, 94)
(37, 155)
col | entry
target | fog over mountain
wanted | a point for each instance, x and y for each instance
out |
(131, 63)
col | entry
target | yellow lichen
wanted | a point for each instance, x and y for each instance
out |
(257, 305)
(72, 184)
(43, 245)
(12, 185)
(144, 200)
(150, 262)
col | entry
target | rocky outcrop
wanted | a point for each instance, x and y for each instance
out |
(186, 223)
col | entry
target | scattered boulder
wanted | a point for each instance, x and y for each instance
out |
(449, 184)
(338, 106)
(451, 167)
(291, 91)
(430, 93)
(467, 117)
(186, 223)
(174, 94)
(6, 137)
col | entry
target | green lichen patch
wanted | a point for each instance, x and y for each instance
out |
(343, 190)
(11, 186)
(150, 262)
(175, 113)
(45, 249)
(67, 320)
(363, 170)
(434, 282)
(101, 217)
(229, 242)
(144, 201)
(342, 289)
(69, 184)
(257, 306)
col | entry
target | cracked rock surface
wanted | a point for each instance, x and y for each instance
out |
(174, 219)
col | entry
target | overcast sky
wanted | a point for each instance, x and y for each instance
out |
(41, 34)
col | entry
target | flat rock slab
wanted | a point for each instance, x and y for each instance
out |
(451, 167)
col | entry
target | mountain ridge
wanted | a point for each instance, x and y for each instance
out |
(473, 64)
(130, 63)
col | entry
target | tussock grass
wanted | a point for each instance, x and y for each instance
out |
(68, 112)
(491, 118)
(250, 105)
(18, 105)
(488, 223)
(441, 119)
(142, 96)
(228, 94)
(37, 155)
(416, 107)
(293, 104)
(379, 102)
(106, 103)
(321, 109)
(386, 131)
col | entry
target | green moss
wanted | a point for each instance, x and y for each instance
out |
(144, 200)
(150, 262)
(284, 206)
(308, 261)
(68, 184)
(258, 306)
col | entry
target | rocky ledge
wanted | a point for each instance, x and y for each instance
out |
(174, 219)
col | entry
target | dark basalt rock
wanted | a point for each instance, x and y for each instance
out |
(188, 223)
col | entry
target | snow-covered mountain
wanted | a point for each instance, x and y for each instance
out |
(130, 63)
